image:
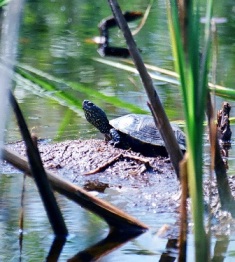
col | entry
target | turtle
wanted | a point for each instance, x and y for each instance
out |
(135, 131)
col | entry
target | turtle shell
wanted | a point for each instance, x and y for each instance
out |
(143, 129)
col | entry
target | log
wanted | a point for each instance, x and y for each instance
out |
(115, 218)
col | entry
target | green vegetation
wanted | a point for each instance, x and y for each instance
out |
(185, 32)
(60, 90)
(4, 2)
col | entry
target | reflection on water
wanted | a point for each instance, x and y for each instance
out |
(88, 236)
(86, 230)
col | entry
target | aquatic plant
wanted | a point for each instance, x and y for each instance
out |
(192, 68)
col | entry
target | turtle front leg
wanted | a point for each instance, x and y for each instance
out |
(115, 137)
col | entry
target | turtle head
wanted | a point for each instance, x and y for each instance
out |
(96, 116)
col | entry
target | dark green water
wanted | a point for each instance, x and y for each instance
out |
(54, 39)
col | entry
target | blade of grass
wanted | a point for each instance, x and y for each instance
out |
(219, 90)
(143, 20)
(135, 71)
(41, 81)
(4, 2)
(193, 78)
(64, 123)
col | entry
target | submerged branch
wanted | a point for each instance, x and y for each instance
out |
(114, 217)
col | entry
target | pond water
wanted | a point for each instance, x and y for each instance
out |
(55, 38)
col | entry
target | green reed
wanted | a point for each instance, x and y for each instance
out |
(49, 86)
(185, 29)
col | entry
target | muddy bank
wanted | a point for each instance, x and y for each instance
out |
(132, 181)
(153, 185)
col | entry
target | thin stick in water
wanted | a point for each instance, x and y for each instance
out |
(115, 218)
(39, 174)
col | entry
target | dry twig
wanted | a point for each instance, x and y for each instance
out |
(115, 159)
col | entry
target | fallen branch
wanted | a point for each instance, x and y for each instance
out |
(114, 217)
(114, 160)
(104, 166)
